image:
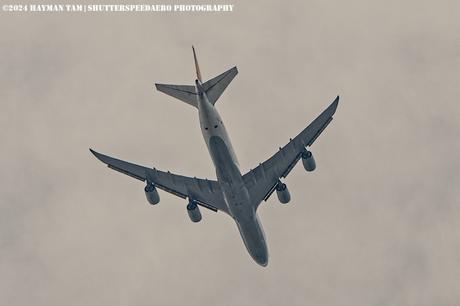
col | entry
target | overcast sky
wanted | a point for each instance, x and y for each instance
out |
(376, 224)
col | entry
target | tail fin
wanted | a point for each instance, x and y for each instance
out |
(197, 67)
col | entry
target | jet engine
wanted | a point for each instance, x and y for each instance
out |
(193, 211)
(283, 193)
(151, 194)
(308, 161)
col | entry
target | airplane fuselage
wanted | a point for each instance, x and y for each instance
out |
(230, 178)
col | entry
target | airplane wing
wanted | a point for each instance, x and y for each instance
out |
(262, 180)
(207, 193)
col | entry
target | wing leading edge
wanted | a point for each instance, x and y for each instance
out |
(261, 181)
(207, 193)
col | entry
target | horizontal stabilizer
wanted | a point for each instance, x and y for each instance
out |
(216, 86)
(185, 93)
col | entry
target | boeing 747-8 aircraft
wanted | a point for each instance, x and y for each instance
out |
(234, 193)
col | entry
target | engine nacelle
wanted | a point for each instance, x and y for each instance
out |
(193, 211)
(308, 161)
(283, 193)
(151, 194)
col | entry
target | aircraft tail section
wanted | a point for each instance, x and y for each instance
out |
(212, 88)
(215, 86)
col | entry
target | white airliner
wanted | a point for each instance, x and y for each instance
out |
(234, 193)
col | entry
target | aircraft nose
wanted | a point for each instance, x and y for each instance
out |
(263, 262)
(261, 259)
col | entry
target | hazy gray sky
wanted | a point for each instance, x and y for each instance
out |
(376, 224)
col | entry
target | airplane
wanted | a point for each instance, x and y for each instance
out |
(236, 194)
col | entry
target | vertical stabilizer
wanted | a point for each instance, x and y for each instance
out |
(197, 67)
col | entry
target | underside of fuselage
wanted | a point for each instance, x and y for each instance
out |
(238, 201)
(253, 237)
(229, 176)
